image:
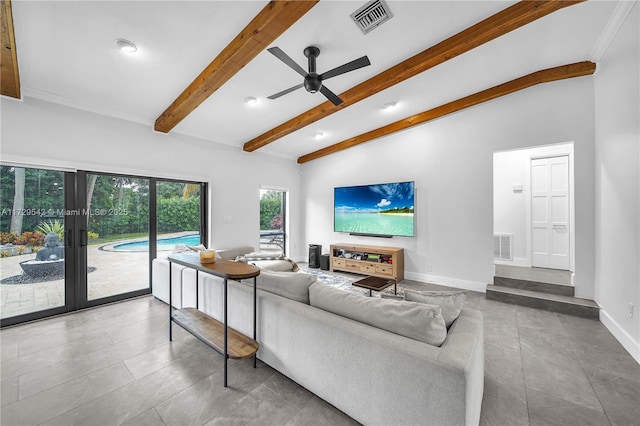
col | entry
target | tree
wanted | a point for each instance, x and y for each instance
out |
(190, 190)
(276, 222)
(91, 186)
(270, 207)
(18, 201)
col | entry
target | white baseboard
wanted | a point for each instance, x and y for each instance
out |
(432, 279)
(517, 261)
(300, 259)
(625, 339)
(449, 282)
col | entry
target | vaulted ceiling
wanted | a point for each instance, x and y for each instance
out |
(198, 61)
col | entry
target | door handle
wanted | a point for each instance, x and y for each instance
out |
(83, 238)
(559, 226)
(69, 238)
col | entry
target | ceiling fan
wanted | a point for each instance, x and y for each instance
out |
(312, 80)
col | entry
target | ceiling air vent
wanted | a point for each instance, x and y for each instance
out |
(371, 15)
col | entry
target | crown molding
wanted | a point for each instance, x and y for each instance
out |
(71, 103)
(611, 29)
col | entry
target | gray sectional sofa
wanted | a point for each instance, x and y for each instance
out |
(377, 377)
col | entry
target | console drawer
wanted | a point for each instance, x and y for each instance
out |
(353, 265)
(384, 269)
(339, 263)
(368, 269)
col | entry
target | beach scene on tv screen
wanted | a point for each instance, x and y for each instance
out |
(382, 209)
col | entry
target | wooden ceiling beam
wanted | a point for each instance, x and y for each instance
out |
(9, 77)
(544, 76)
(501, 23)
(276, 17)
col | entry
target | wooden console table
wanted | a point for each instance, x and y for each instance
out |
(213, 333)
(377, 261)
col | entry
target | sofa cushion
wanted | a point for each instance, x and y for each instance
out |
(449, 301)
(417, 321)
(292, 285)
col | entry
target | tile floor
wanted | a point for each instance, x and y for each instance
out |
(113, 365)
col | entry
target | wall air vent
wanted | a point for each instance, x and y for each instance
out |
(372, 14)
(502, 247)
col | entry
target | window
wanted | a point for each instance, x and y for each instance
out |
(273, 221)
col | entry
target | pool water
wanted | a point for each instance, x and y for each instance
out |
(163, 243)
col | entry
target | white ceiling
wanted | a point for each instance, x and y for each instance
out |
(67, 54)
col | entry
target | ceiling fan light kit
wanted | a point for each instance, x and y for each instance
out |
(312, 80)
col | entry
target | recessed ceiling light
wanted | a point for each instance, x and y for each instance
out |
(126, 45)
(318, 135)
(251, 100)
(389, 106)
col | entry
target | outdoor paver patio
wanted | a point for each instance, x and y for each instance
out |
(115, 272)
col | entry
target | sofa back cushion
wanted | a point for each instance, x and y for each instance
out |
(292, 285)
(417, 321)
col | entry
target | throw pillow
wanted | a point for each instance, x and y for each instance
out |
(279, 263)
(417, 321)
(258, 255)
(449, 301)
(294, 265)
(292, 285)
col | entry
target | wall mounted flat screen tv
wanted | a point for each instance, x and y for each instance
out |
(382, 210)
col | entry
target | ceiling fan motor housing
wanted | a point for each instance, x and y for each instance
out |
(312, 82)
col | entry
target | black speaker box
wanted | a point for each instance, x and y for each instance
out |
(314, 255)
(324, 262)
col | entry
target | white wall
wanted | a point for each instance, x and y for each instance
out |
(42, 134)
(512, 209)
(451, 161)
(509, 205)
(617, 165)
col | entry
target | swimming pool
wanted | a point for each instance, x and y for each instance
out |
(163, 243)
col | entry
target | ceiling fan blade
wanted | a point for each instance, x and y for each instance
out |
(278, 53)
(349, 66)
(284, 92)
(330, 95)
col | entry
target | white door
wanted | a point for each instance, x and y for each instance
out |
(550, 212)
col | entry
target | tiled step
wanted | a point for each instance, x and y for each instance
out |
(549, 302)
(563, 290)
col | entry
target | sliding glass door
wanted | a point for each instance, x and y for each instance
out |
(116, 236)
(179, 215)
(71, 240)
(35, 267)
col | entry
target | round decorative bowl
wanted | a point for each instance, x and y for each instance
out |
(43, 268)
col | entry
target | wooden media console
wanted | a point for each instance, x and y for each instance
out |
(377, 261)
